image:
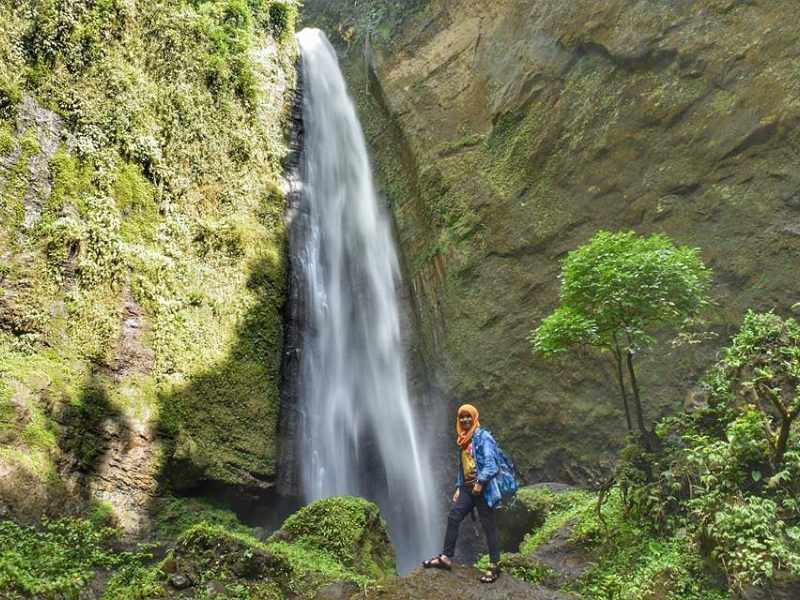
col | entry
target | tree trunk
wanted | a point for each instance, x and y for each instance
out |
(622, 390)
(637, 402)
(783, 439)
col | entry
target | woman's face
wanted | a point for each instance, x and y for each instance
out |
(465, 420)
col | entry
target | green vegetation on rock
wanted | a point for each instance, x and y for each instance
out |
(622, 556)
(708, 511)
(143, 242)
(720, 475)
(172, 516)
(330, 540)
(349, 530)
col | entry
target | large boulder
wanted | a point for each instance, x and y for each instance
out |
(350, 530)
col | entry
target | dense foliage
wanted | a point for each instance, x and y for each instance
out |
(59, 559)
(624, 558)
(720, 476)
(717, 491)
(615, 291)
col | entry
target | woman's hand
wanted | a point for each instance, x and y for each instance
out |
(476, 491)
(457, 494)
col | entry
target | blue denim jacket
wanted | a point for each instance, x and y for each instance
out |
(485, 449)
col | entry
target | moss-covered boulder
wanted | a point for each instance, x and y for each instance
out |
(209, 560)
(348, 530)
(329, 541)
(206, 552)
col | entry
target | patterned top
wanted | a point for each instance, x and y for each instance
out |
(468, 465)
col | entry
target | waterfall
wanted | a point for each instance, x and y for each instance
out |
(357, 428)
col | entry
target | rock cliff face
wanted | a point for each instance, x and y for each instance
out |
(142, 271)
(506, 133)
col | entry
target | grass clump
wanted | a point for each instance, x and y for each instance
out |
(524, 567)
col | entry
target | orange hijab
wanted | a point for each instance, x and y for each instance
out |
(464, 437)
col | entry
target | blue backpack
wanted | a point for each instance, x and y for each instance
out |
(507, 478)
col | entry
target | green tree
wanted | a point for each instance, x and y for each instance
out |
(615, 291)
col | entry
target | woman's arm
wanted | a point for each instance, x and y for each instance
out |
(489, 466)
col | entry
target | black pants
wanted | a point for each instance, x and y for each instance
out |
(461, 508)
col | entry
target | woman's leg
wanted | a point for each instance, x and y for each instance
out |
(461, 508)
(487, 521)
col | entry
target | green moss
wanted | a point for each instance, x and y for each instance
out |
(164, 196)
(524, 567)
(448, 148)
(281, 17)
(245, 566)
(559, 509)
(136, 199)
(313, 568)
(7, 138)
(30, 145)
(28, 426)
(347, 529)
(335, 539)
(173, 516)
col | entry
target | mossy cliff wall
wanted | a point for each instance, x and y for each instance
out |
(142, 258)
(506, 133)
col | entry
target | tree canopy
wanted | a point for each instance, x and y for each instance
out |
(615, 291)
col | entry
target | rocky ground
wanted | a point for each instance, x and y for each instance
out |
(459, 584)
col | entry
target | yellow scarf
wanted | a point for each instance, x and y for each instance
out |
(465, 436)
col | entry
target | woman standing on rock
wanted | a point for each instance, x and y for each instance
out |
(476, 487)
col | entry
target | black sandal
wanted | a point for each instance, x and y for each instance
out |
(436, 563)
(491, 575)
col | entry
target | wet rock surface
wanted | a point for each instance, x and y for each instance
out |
(130, 354)
(125, 475)
(48, 129)
(784, 587)
(459, 584)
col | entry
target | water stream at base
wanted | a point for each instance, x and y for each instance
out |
(357, 425)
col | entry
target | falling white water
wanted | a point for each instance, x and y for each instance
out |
(360, 434)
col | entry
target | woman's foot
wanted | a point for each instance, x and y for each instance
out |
(491, 575)
(438, 562)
